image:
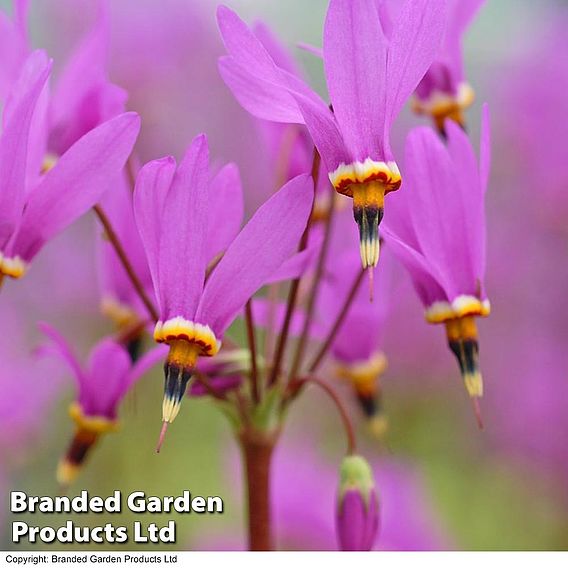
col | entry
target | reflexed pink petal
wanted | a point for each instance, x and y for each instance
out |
(83, 97)
(428, 283)
(297, 265)
(152, 186)
(485, 148)
(355, 59)
(257, 82)
(107, 380)
(275, 49)
(14, 143)
(325, 132)
(145, 363)
(76, 183)
(267, 240)
(459, 17)
(417, 34)
(14, 49)
(31, 69)
(226, 209)
(434, 200)
(182, 256)
(62, 349)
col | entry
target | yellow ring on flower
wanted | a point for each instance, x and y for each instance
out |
(442, 105)
(464, 305)
(363, 374)
(14, 266)
(93, 424)
(179, 328)
(346, 175)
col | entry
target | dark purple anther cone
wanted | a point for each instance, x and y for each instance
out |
(357, 518)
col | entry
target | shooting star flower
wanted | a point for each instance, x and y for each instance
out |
(444, 92)
(437, 230)
(102, 385)
(33, 209)
(174, 208)
(369, 79)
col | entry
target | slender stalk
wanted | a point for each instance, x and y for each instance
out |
(257, 449)
(348, 425)
(310, 308)
(121, 253)
(269, 336)
(294, 288)
(338, 322)
(252, 347)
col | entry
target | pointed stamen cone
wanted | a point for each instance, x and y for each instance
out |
(368, 203)
(178, 371)
(71, 464)
(377, 422)
(462, 340)
(162, 436)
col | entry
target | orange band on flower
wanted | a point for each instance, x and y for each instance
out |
(440, 312)
(92, 424)
(14, 267)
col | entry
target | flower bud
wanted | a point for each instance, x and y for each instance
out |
(357, 518)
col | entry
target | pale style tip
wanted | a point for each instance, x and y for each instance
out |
(371, 272)
(162, 436)
(477, 412)
(66, 474)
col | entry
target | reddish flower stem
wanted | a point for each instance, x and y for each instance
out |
(123, 257)
(348, 425)
(257, 450)
(310, 308)
(293, 292)
(252, 348)
(338, 322)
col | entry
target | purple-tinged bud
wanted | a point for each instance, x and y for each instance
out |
(357, 505)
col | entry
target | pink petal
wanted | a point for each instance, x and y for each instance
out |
(62, 349)
(76, 183)
(34, 65)
(146, 362)
(267, 240)
(84, 98)
(415, 41)
(14, 49)
(107, 381)
(324, 132)
(427, 283)
(182, 257)
(355, 56)
(260, 86)
(152, 186)
(226, 210)
(485, 148)
(14, 143)
(275, 49)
